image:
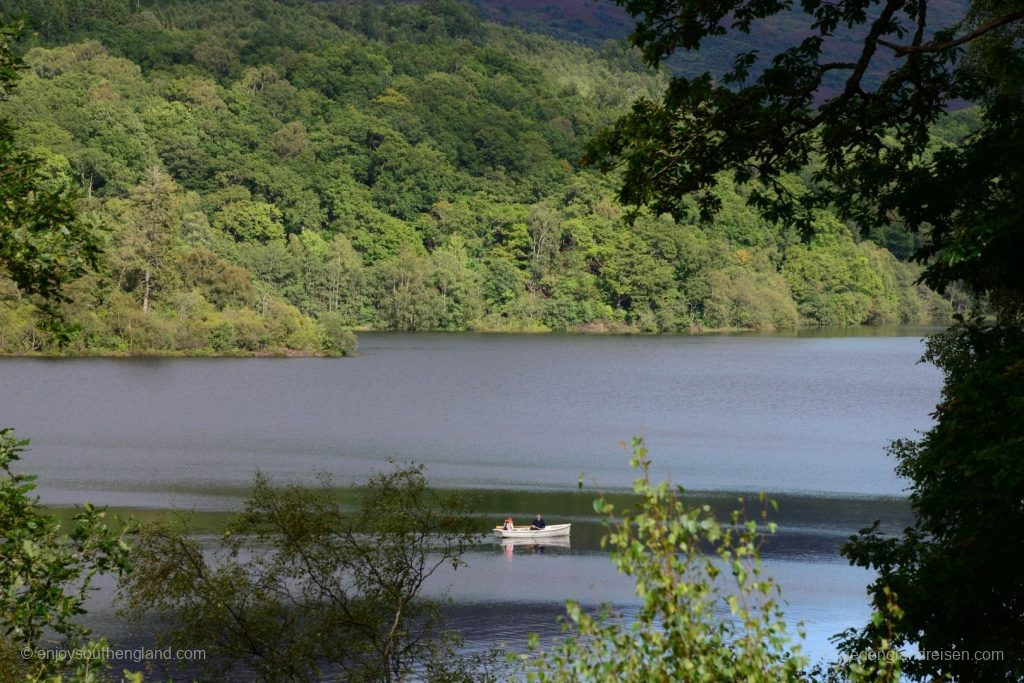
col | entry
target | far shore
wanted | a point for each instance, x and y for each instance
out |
(597, 328)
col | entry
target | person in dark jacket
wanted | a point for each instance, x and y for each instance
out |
(538, 522)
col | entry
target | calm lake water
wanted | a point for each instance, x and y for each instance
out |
(519, 420)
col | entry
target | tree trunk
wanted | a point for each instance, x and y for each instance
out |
(145, 294)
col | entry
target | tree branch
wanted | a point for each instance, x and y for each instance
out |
(871, 41)
(922, 13)
(833, 66)
(904, 50)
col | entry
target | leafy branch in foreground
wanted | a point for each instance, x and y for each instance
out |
(46, 576)
(862, 128)
(705, 616)
(956, 570)
(873, 155)
(303, 586)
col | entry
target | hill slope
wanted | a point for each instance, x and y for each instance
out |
(320, 166)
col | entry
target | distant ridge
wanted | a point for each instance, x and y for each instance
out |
(594, 22)
(590, 22)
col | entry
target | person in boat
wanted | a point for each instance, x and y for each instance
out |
(509, 525)
(538, 522)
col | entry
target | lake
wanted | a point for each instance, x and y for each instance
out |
(519, 420)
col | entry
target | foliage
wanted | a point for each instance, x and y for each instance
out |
(46, 576)
(316, 149)
(46, 573)
(43, 242)
(955, 570)
(61, 15)
(250, 221)
(689, 568)
(47, 249)
(877, 152)
(302, 586)
(868, 148)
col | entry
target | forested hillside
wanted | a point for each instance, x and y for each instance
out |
(272, 174)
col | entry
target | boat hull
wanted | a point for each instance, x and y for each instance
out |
(525, 532)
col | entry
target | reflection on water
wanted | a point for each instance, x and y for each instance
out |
(499, 599)
(509, 589)
(809, 527)
(506, 591)
(515, 421)
(537, 545)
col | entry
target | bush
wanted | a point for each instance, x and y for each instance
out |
(337, 337)
(679, 633)
(46, 575)
(302, 584)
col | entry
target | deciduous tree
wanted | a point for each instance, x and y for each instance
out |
(688, 568)
(868, 148)
(46, 576)
(151, 222)
(302, 585)
(44, 243)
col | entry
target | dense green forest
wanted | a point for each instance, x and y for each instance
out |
(271, 175)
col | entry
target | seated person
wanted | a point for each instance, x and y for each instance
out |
(509, 525)
(538, 522)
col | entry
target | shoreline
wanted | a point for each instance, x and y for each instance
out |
(157, 353)
(908, 329)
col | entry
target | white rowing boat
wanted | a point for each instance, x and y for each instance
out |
(550, 531)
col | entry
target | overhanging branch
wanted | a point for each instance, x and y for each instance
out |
(904, 50)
